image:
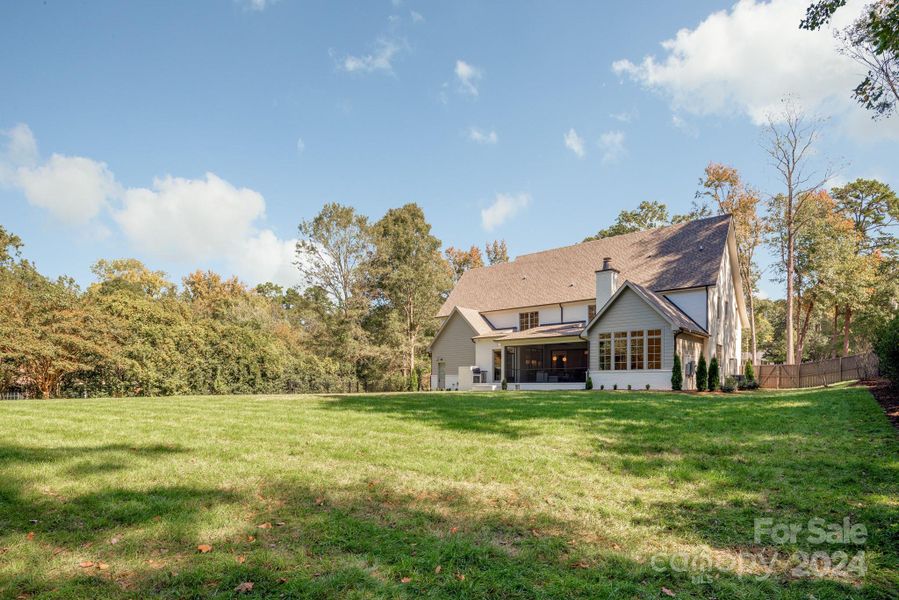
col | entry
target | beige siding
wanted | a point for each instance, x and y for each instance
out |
(689, 348)
(454, 346)
(629, 313)
(724, 329)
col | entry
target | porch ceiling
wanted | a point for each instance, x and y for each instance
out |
(558, 330)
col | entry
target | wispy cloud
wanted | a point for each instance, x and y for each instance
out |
(575, 143)
(481, 136)
(612, 145)
(469, 76)
(625, 116)
(680, 123)
(504, 207)
(301, 145)
(256, 5)
(380, 59)
(416, 17)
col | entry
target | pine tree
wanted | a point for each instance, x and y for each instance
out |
(749, 372)
(702, 374)
(677, 374)
(714, 376)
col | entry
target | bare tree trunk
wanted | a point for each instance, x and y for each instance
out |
(835, 336)
(791, 358)
(803, 331)
(847, 321)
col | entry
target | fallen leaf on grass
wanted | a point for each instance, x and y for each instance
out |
(30, 535)
(102, 566)
(460, 576)
(114, 540)
(280, 524)
(251, 538)
(454, 530)
(156, 564)
(667, 592)
(405, 580)
(282, 579)
(241, 559)
(204, 548)
(86, 564)
(56, 550)
(581, 565)
(265, 526)
(319, 501)
(438, 569)
(245, 587)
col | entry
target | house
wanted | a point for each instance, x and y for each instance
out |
(616, 309)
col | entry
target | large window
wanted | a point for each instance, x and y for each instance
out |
(605, 351)
(654, 349)
(620, 350)
(527, 320)
(637, 349)
(591, 311)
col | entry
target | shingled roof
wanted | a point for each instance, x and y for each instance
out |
(676, 257)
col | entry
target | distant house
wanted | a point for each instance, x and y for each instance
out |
(616, 308)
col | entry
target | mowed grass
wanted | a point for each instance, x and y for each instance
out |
(499, 495)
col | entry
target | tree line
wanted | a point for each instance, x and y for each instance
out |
(362, 321)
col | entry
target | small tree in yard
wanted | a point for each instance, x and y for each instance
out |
(749, 372)
(714, 375)
(589, 384)
(886, 345)
(702, 374)
(677, 375)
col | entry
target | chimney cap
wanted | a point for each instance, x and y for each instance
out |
(607, 265)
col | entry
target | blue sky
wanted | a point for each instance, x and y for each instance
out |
(198, 134)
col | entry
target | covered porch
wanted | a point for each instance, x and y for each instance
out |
(550, 355)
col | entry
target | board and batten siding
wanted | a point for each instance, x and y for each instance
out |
(631, 313)
(454, 346)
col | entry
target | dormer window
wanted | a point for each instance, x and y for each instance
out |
(527, 320)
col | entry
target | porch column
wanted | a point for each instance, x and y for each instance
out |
(502, 363)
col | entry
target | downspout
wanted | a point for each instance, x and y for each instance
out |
(561, 313)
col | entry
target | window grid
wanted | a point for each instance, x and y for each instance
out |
(620, 350)
(605, 351)
(637, 350)
(528, 320)
(654, 349)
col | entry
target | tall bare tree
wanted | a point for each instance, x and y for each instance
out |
(791, 138)
(723, 185)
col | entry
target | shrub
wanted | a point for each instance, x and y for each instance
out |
(886, 346)
(628, 387)
(647, 386)
(729, 385)
(748, 385)
(615, 386)
(714, 376)
(589, 384)
(602, 386)
(702, 374)
(748, 372)
(505, 384)
(677, 374)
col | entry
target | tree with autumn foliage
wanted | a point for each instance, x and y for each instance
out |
(461, 261)
(722, 185)
(496, 252)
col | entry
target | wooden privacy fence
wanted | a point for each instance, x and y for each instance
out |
(822, 372)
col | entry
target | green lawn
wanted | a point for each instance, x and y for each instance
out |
(562, 494)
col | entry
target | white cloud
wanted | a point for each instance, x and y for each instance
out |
(468, 76)
(301, 145)
(417, 17)
(381, 59)
(256, 5)
(73, 189)
(744, 60)
(264, 257)
(189, 219)
(612, 145)
(625, 116)
(575, 143)
(504, 207)
(482, 137)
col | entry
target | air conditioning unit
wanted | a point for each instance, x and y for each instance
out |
(691, 368)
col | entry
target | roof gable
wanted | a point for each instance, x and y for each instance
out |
(664, 307)
(680, 256)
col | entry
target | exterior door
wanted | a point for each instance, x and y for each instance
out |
(497, 365)
(441, 376)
